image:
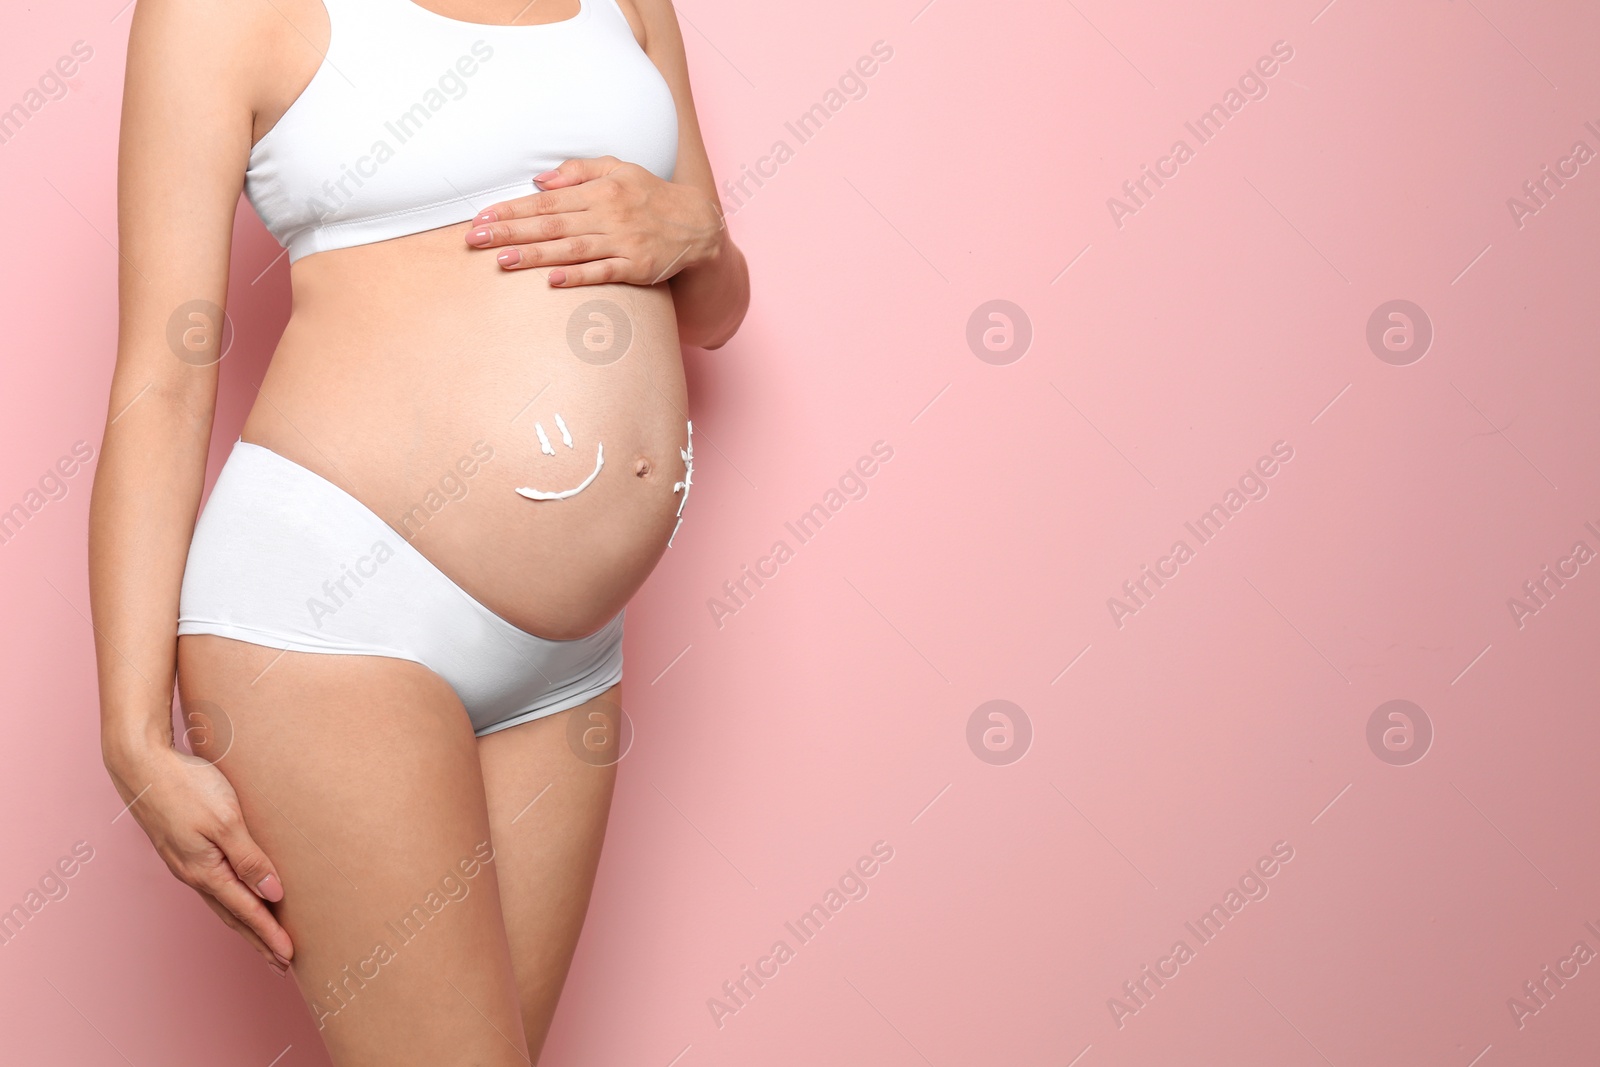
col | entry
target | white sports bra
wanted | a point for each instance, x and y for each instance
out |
(415, 120)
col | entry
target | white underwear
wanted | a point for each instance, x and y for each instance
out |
(282, 557)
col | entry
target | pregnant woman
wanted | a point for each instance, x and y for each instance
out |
(396, 626)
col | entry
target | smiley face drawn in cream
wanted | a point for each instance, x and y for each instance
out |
(547, 449)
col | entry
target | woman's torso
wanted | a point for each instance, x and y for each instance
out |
(413, 368)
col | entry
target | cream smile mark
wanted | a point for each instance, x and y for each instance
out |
(545, 447)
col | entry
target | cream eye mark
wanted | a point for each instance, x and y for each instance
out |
(544, 441)
(546, 448)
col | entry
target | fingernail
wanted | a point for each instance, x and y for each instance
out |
(487, 216)
(478, 237)
(558, 277)
(547, 175)
(270, 889)
(509, 258)
(279, 971)
(281, 958)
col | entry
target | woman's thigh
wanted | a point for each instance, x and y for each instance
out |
(359, 778)
(549, 784)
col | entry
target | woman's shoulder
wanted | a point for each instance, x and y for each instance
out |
(225, 22)
(242, 35)
(235, 51)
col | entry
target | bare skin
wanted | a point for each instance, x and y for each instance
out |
(362, 780)
(335, 792)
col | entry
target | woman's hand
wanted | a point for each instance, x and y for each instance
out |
(603, 220)
(192, 816)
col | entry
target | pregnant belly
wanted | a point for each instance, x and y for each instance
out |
(426, 382)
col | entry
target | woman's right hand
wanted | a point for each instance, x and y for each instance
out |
(191, 814)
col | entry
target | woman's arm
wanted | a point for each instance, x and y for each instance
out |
(187, 122)
(711, 295)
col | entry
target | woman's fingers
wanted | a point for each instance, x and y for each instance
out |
(241, 882)
(248, 909)
(552, 198)
(598, 272)
(537, 209)
(589, 246)
(194, 819)
(525, 229)
(207, 866)
(249, 862)
(532, 206)
(577, 171)
(244, 931)
(602, 221)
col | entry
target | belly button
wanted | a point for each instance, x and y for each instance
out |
(641, 467)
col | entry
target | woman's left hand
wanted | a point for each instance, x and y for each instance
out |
(602, 220)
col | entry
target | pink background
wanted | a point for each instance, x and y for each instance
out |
(831, 710)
